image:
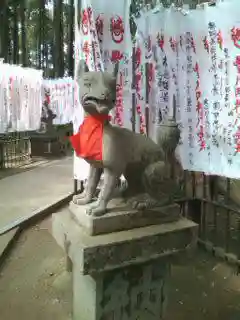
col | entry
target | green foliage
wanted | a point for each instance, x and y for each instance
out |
(33, 34)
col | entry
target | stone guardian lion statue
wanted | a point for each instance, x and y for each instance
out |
(116, 151)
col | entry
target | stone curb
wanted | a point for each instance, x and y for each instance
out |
(21, 223)
(36, 214)
(9, 245)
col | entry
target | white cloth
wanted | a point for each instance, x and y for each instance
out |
(20, 98)
(204, 76)
(105, 28)
(61, 102)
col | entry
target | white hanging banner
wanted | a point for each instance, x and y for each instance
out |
(157, 29)
(211, 120)
(20, 98)
(196, 58)
(80, 166)
(59, 96)
(102, 37)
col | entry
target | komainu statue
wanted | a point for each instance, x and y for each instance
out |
(116, 151)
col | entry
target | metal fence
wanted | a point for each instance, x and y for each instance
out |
(14, 150)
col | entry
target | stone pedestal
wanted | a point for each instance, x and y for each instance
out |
(121, 275)
(122, 217)
(135, 292)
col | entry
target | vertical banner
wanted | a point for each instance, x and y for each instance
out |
(156, 78)
(102, 38)
(196, 59)
(20, 98)
(80, 166)
(58, 99)
(210, 116)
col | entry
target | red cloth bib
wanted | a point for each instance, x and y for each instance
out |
(88, 142)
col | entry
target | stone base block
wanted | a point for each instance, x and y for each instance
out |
(105, 252)
(133, 293)
(121, 275)
(121, 217)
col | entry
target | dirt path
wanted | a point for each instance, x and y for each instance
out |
(33, 281)
(204, 289)
(35, 286)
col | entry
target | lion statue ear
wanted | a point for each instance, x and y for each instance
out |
(81, 68)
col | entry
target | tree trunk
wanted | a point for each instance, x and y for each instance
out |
(24, 57)
(3, 29)
(41, 28)
(15, 34)
(58, 35)
(71, 39)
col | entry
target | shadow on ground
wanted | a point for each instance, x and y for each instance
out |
(34, 163)
(34, 284)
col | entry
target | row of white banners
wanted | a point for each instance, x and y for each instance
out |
(194, 57)
(25, 96)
